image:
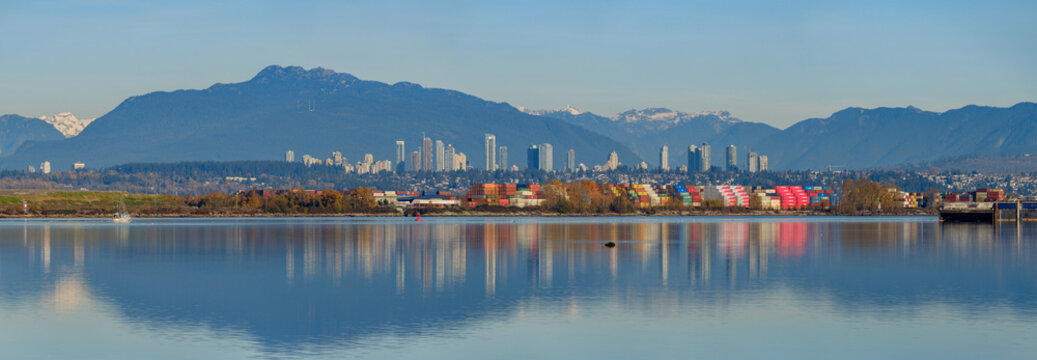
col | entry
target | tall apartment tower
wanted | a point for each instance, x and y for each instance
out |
(289, 156)
(401, 152)
(440, 156)
(451, 164)
(533, 158)
(461, 161)
(547, 157)
(693, 158)
(664, 158)
(428, 160)
(754, 162)
(732, 158)
(415, 161)
(763, 163)
(613, 161)
(45, 167)
(705, 157)
(502, 158)
(491, 152)
(570, 160)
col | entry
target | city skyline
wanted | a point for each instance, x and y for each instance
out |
(443, 157)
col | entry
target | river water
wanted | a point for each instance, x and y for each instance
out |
(525, 288)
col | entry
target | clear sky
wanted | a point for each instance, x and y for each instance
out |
(776, 62)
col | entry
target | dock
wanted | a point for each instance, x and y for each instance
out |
(989, 212)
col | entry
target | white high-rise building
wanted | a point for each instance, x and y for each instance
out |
(449, 157)
(289, 156)
(502, 158)
(440, 156)
(570, 160)
(664, 158)
(45, 167)
(337, 159)
(613, 161)
(732, 158)
(491, 152)
(401, 152)
(415, 160)
(428, 160)
(546, 157)
(462, 161)
(763, 163)
(706, 157)
(754, 162)
(693, 159)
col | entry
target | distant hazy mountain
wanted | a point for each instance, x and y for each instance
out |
(16, 130)
(312, 112)
(987, 164)
(68, 124)
(867, 138)
(646, 130)
(853, 138)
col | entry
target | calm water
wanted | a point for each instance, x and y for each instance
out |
(517, 288)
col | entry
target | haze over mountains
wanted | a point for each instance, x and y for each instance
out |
(67, 123)
(648, 129)
(16, 130)
(853, 138)
(318, 111)
(314, 112)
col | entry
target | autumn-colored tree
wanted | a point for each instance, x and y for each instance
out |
(863, 195)
(362, 198)
(332, 201)
(755, 202)
(554, 195)
(583, 195)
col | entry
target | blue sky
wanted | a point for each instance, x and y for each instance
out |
(776, 62)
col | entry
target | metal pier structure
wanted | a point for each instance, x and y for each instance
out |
(989, 212)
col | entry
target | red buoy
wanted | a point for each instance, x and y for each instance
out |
(419, 216)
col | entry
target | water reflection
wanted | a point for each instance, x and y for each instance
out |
(293, 283)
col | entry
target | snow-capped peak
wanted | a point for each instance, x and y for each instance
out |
(68, 124)
(567, 109)
(663, 118)
(571, 110)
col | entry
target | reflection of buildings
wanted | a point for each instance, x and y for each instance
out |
(346, 279)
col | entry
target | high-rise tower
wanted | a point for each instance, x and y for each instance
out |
(491, 152)
(664, 158)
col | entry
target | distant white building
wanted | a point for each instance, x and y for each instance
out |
(491, 152)
(289, 156)
(78, 166)
(45, 167)
(664, 158)
(613, 161)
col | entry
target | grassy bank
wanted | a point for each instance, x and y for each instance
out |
(85, 203)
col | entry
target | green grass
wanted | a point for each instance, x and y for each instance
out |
(52, 201)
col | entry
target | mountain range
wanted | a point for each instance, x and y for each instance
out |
(318, 111)
(67, 123)
(646, 130)
(853, 138)
(16, 130)
(314, 111)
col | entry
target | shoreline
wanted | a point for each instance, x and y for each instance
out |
(461, 214)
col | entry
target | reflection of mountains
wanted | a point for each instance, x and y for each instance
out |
(307, 281)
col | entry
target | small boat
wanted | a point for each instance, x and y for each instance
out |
(121, 216)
